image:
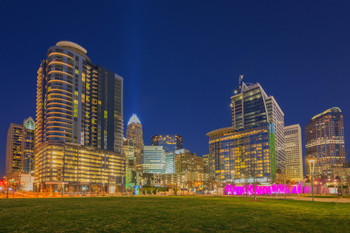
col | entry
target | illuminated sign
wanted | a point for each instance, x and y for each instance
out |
(262, 189)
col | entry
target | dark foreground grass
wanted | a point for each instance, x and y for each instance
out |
(171, 214)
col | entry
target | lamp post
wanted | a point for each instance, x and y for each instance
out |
(7, 188)
(312, 168)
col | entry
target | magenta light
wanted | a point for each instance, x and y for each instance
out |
(262, 189)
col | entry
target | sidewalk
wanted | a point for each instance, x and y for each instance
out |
(281, 197)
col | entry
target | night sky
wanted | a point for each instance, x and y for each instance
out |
(181, 59)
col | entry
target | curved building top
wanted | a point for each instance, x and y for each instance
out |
(221, 131)
(334, 109)
(72, 46)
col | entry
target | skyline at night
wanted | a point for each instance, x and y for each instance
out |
(180, 69)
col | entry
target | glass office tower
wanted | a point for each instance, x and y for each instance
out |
(153, 160)
(242, 156)
(324, 142)
(253, 148)
(252, 107)
(170, 143)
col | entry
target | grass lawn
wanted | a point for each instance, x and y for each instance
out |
(171, 214)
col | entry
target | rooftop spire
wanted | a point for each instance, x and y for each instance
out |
(134, 119)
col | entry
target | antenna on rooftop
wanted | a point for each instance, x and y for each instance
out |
(239, 88)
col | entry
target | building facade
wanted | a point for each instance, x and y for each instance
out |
(73, 168)
(20, 148)
(324, 142)
(185, 180)
(185, 161)
(170, 162)
(242, 156)
(294, 154)
(206, 163)
(153, 160)
(78, 101)
(252, 107)
(170, 143)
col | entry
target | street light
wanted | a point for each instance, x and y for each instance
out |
(312, 169)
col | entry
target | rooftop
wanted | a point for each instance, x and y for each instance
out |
(334, 109)
(134, 119)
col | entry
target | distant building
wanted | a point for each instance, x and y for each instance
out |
(185, 179)
(169, 162)
(206, 163)
(20, 148)
(129, 152)
(135, 133)
(170, 143)
(153, 160)
(185, 161)
(150, 179)
(294, 155)
(324, 142)
(130, 163)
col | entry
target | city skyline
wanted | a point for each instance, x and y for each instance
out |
(172, 90)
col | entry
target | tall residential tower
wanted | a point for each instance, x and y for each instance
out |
(79, 119)
(78, 101)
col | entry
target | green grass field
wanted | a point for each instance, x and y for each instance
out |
(171, 214)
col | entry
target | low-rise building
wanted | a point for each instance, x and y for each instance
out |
(185, 179)
(185, 161)
(70, 167)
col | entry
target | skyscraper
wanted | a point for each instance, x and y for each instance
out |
(324, 142)
(20, 147)
(79, 119)
(135, 133)
(294, 155)
(253, 148)
(251, 107)
(78, 101)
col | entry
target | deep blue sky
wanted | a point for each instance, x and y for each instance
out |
(181, 59)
